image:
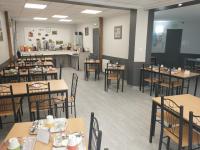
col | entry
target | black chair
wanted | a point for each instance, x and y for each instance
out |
(9, 106)
(91, 68)
(95, 135)
(172, 129)
(194, 132)
(60, 100)
(39, 99)
(112, 74)
(149, 77)
(37, 74)
(10, 75)
(169, 84)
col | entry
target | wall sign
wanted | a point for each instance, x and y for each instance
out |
(86, 31)
(118, 32)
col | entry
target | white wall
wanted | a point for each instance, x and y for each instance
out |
(66, 31)
(87, 40)
(116, 47)
(4, 52)
(141, 36)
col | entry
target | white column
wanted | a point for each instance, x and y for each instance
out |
(141, 35)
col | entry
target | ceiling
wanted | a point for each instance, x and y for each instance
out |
(189, 13)
(18, 12)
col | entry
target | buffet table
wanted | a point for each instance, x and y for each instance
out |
(65, 58)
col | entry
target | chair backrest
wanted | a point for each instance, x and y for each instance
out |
(113, 68)
(173, 117)
(39, 96)
(7, 91)
(95, 134)
(10, 75)
(74, 85)
(37, 75)
(194, 131)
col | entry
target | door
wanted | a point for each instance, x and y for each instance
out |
(172, 47)
(96, 43)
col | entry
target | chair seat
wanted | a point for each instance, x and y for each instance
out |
(6, 107)
(173, 137)
(61, 99)
(154, 80)
(113, 76)
(91, 69)
(174, 84)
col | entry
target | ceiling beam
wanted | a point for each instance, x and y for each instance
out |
(93, 3)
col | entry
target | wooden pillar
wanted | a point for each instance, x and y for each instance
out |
(9, 36)
(100, 40)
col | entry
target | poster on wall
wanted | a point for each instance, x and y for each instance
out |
(118, 32)
(43, 37)
(1, 32)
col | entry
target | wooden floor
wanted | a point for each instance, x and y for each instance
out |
(124, 117)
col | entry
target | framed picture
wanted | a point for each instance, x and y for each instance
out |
(1, 32)
(118, 32)
(86, 31)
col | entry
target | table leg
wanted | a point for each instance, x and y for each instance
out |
(182, 88)
(140, 79)
(153, 121)
(66, 105)
(105, 80)
(195, 90)
(85, 72)
(98, 70)
(188, 85)
(122, 80)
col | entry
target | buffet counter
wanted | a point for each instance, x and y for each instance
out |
(66, 58)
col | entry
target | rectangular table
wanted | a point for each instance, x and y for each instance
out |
(189, 103)
(56, 86)
(22, 130)
(120, 68)
(178, 75)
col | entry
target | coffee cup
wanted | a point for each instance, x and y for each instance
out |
(13, 144)
(72, 144)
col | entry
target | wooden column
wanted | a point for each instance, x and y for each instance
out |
(9, 36)
(100, 40)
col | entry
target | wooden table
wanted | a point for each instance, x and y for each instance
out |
(56, 86)
(53, 72)
(91, 62)
(22, 130)
(179, 75)
(120, 68)
(34, 59)
(189, 103)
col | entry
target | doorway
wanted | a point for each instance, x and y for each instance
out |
(172, 47)
(96, 43)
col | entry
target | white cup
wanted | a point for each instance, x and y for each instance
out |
(161, 66)
(13, 143)
(49, 119)
(179, 68)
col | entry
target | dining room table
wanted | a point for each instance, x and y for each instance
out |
(188, 101)
(24, 73)
(183, 75)
(19, 89)
(114, 67)
(22, 130)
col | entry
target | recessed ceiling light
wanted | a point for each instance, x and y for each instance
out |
(39, 18)
(89, 11)
(59, 16)
(35, 6)
(65, 20)
(180, 5)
